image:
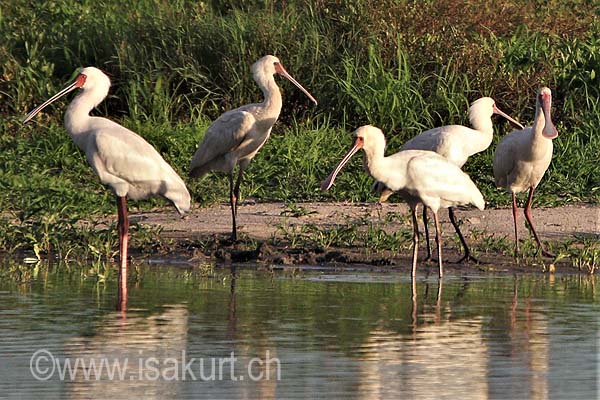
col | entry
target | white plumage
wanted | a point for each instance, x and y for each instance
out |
(235, 137)
(418, 176)
(123, 160)
(456, 143)
(522, 158)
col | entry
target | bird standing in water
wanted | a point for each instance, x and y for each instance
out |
(122, 159)
(418, 176)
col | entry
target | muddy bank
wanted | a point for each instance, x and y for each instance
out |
(276, 234)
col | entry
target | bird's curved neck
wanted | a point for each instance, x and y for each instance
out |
(539, 123)
(539, 143)
(272, 102)
(78, 113)
(374, 161)
(483, 124)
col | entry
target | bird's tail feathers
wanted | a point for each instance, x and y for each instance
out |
(479, 202)
(198, 172)
(180, 197)
(182, 205)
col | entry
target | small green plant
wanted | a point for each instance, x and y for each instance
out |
(584, 254)
(205, 269)
(294, 210)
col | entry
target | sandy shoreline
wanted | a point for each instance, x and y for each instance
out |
(268, 223)
(261, 220)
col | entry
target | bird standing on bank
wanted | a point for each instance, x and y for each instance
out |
(419, 176)
(522, 157)
(123, 160)
(235, 137)
(456, 143)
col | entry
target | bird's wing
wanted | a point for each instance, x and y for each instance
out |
(224, 135)
(431, 140)
(123, 154)
(131, 166)
(450, 141)
(504, 156)
(432, 176)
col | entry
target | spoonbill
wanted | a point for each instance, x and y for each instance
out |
(123, 160)
(235, 137)
(456, 143)
(419, 176)
(522, 157)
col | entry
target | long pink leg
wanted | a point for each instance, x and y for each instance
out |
(529, 219)
(415, 242)
(515, 216)
(438, 240)
(413, 314)
(123, 228)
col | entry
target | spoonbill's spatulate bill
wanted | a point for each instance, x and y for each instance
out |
(418, 176)
(235, 137)
(522, 158)
(123, 160)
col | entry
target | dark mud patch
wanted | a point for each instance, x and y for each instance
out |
(266, 254)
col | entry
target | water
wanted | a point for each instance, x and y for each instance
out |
(328, 335)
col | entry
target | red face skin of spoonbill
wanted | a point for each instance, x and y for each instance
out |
(80, 80)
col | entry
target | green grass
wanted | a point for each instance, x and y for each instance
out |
(177, 65)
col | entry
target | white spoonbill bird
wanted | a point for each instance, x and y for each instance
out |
(456, 143)
(419, 176)
(522, 157)
(235, 137)
(122, 159)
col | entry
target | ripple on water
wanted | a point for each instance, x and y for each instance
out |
(357, 335)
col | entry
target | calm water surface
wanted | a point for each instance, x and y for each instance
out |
(307, 335)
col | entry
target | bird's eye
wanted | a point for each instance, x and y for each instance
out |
(278, 67)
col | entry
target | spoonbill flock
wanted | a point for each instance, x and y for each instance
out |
(419, 176)
(456, 143)
(426, 171)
